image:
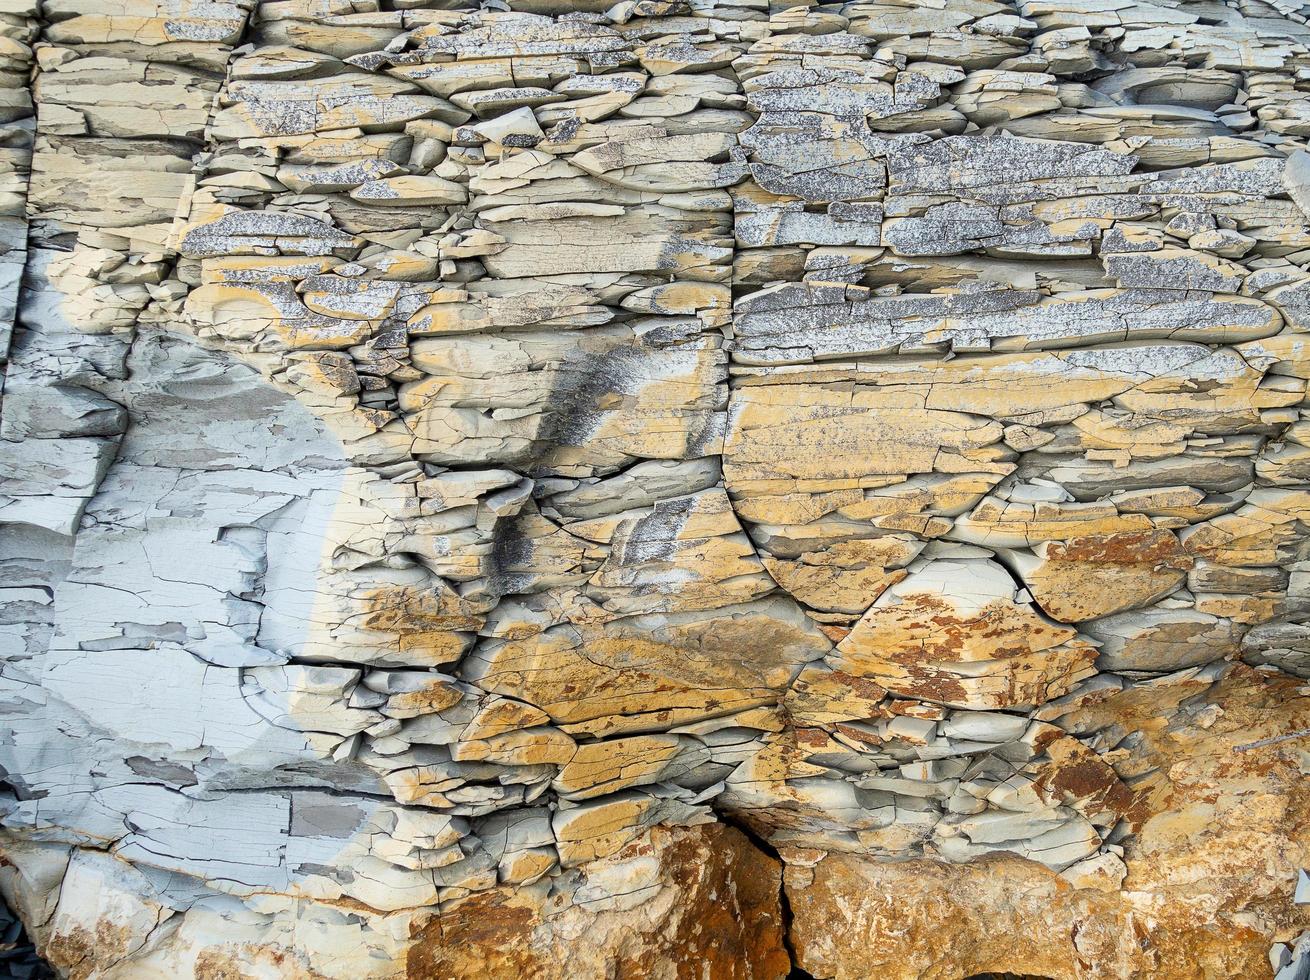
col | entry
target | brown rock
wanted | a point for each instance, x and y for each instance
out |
(704, 903)
(1210, 873)
(952, 632)
(645, 673)
(1099, 574)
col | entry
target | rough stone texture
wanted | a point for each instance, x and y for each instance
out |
(457, 458)
(696, 902)
(1218, 811)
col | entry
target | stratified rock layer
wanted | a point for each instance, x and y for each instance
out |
(1198, 899)
(458, 457)
(697, 902)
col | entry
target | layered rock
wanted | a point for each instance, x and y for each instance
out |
(462, 455)
(1215, 804)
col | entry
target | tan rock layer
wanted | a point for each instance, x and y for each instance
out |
(878, 424)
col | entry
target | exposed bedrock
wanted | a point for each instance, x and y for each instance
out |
(671, 488)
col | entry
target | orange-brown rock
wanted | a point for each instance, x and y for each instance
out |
(1225, 824)
(952, 632)
(679, 903)
(1100, 574)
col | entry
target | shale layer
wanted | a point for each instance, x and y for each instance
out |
(675, 488)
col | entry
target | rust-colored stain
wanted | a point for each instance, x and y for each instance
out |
(726, 923)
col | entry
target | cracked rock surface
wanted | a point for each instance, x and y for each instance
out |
(666, 488)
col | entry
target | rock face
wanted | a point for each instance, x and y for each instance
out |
(1214, 808)
(672, 488)
(684, 902)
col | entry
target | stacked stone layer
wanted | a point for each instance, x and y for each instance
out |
(459, 457)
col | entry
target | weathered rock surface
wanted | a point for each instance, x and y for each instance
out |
(458, 458)
(1182, 901)
(679, 902)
